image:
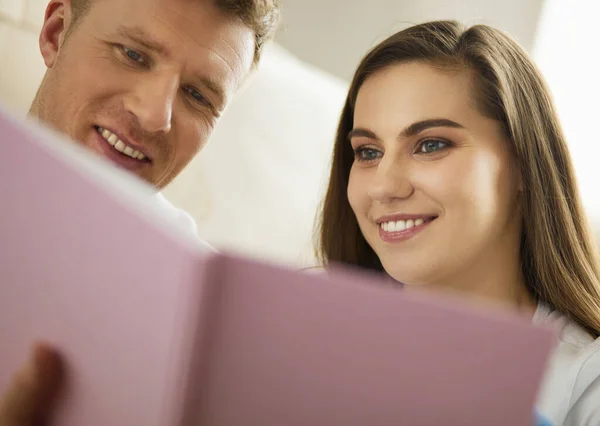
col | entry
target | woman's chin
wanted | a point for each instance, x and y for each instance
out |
(410, 273)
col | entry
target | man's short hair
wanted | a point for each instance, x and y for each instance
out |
(261, 16)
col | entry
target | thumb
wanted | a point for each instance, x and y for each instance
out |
(33, 391)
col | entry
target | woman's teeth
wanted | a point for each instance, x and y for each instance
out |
(401, 225)
(119, 145)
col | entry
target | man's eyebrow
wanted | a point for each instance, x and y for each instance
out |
(412, 130)
(142, 38)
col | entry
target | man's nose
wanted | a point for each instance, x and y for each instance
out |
(152, 102)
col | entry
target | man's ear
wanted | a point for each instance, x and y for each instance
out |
(56, 23)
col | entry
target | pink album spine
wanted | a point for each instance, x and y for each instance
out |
(197, 380)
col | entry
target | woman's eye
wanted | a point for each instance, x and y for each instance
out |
(432, 145)
(366, 154)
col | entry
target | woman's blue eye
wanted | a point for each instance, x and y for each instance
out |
(366, 154)
(431, 146)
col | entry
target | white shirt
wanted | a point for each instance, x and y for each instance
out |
(180, 218)
(570, 391)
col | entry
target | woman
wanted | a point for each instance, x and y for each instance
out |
(451, 173)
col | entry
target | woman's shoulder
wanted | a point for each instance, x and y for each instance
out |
(572, 380)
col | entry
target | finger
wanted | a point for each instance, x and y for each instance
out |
(51, 375)
(33, 390)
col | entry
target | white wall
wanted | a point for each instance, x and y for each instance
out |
(565, 51)
(22, 65)
(335, 34)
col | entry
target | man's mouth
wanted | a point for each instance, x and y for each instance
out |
(120, 146)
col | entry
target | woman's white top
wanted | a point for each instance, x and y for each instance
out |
(570, 391)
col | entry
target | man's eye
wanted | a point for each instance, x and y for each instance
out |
(134, 56)
(197, 96)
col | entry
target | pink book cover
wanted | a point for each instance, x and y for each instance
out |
(158, 331)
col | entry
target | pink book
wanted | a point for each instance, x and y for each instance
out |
(159, 331)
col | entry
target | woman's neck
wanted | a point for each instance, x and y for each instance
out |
(493, 278)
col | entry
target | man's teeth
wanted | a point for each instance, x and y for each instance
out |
(401, 225)
(119, 145)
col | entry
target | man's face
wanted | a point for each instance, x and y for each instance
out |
(141, 82)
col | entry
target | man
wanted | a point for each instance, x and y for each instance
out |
(141, 83)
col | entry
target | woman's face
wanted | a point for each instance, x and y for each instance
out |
(432, 185)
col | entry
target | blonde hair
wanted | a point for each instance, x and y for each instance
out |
(558, 255)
